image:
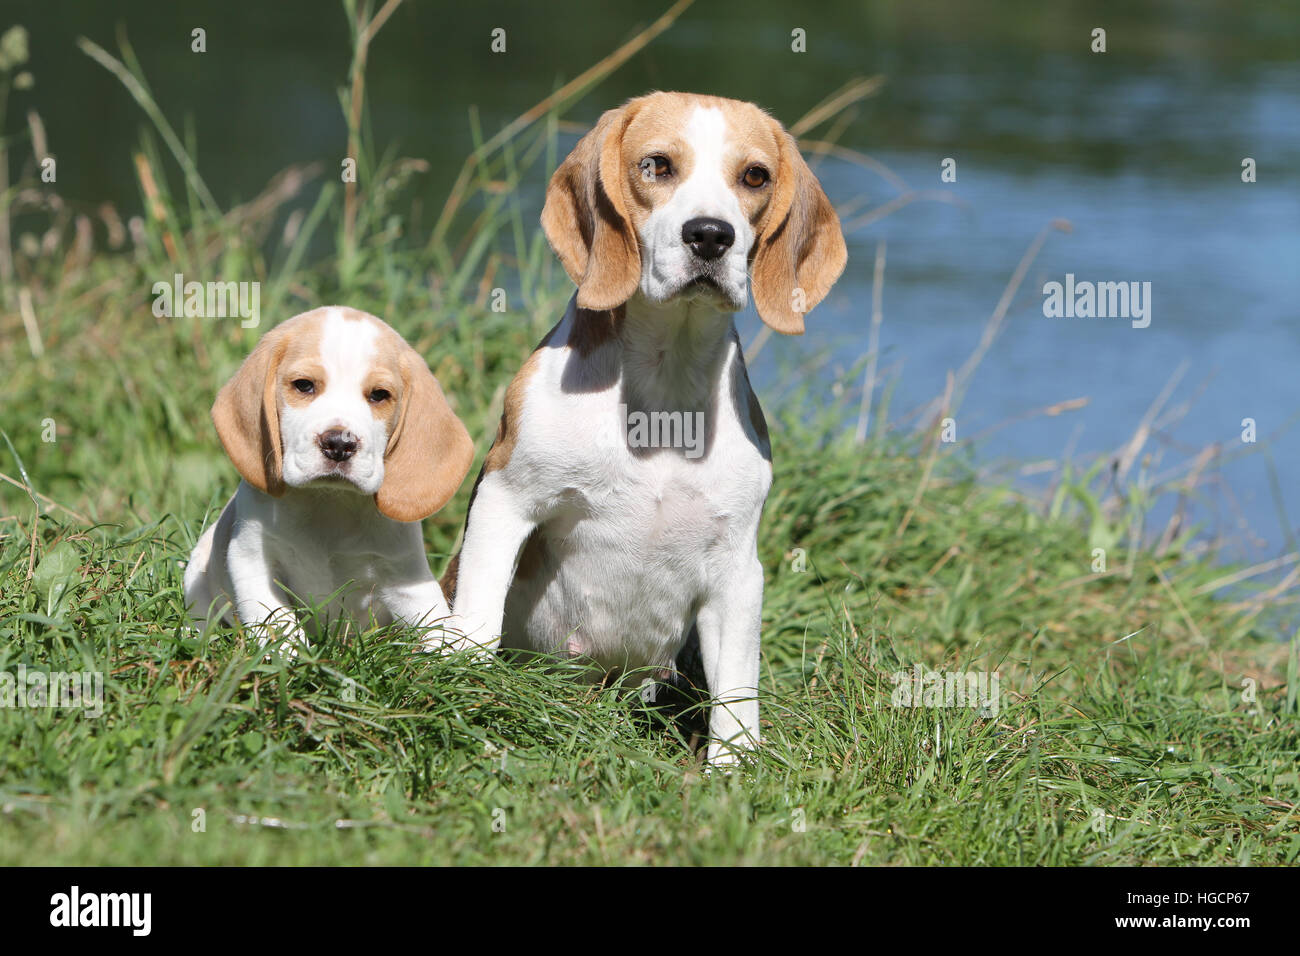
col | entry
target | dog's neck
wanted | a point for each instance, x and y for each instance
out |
(672, 352)
(334, 501)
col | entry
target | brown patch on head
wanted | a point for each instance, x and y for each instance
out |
(301, 360)
(247, 410)
(799, 251)
(429, 450)
(659, 128)
(656, 129)
(586, 219)
(753, 146)
(385, 383)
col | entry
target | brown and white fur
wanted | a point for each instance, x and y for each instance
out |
(578, 544)
(345, 444)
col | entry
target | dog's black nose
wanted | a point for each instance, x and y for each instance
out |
(336, 444)
(708, 238)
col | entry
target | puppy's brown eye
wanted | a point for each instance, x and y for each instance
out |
(655, 167)
(304, 385)
(756, 176)
(379, 395)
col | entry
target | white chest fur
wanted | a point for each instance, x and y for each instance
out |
(335, 550)
(644, 490)
(320, 547)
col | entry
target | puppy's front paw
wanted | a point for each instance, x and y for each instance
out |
(281, 635)
(285, 649)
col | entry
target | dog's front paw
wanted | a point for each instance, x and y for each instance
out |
(451, 638)
(728, 758)
(442, 638)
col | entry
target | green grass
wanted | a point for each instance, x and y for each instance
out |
(1123, 735)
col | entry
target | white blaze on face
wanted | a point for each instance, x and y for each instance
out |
(667, 263)
(347, 353)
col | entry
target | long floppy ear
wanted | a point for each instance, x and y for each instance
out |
(248, 418)
(428, 453)
(586, 220)
(800, 249)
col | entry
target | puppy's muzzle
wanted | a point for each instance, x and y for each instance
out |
(708, 238)
(337, 444)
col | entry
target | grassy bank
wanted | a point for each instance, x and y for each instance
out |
(1139, 719)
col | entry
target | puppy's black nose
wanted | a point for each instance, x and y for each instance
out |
(708, 238)
(336, 444)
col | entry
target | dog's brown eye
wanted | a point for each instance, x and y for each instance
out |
(379, 395)
(655, 167)
(304, 385)
(756, 176)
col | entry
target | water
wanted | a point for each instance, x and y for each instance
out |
(1139, 148)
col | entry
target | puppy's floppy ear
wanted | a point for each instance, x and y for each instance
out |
(800, 250)
(248, 418)
(429, 451)
(586, 220)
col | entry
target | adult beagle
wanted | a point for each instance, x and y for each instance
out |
(616, 515)
(345, 444)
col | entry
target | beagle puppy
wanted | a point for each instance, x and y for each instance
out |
(616, 515)
(345, 444)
